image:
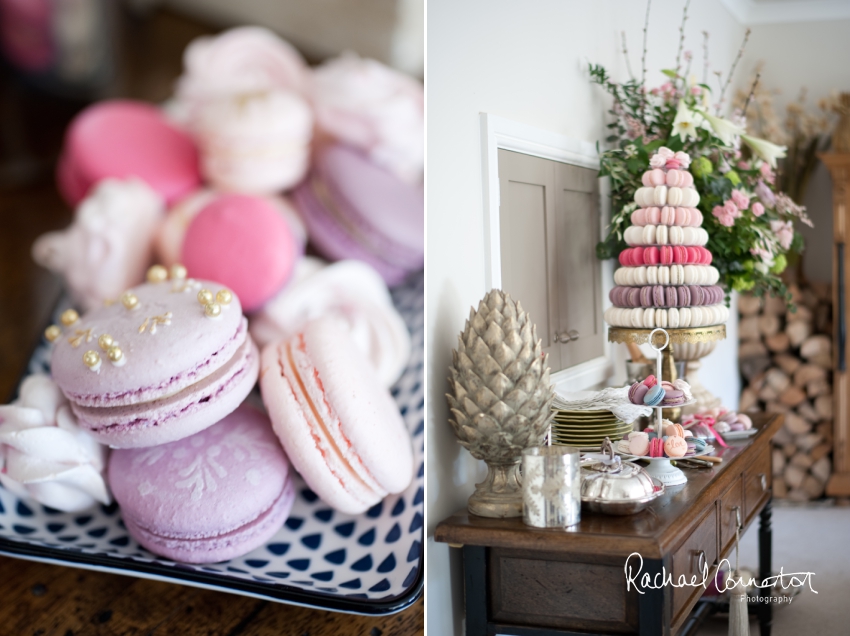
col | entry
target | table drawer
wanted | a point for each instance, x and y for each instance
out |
(700, 547)
(758, 480)
(731, 513)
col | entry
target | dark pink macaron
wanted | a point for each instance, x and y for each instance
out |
(123, 139)
(243, 242)
(210, 497)
(356, 209)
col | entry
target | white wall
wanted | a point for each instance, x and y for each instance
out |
(813, 55)
(525, 61)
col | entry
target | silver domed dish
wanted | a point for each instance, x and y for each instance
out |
(612, 486)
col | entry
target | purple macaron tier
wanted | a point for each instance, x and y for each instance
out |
(210, 497)
(666, 296)
(356, 209)
(180, 370)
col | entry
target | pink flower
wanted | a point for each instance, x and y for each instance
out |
(763, 254)
(723, 216)
(758, 209)
(667, 87)
(696, 90)
(767, 172)
(740, 199)
(688, 56)
(784, 231)
(655, 91)
(731, 209)
(743, 165)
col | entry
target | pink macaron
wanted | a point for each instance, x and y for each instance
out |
(656, 447)
(241, 241)
(675, 446)
(339, 425)
(356, 209)
(124, 139)
(157, 365)
(210, 497)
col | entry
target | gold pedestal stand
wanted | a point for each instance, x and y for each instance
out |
(678, 337)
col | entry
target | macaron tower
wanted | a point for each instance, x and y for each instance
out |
(666, 278)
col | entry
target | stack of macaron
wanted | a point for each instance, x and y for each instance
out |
(159, 361)
(666, 278)
(652, 392)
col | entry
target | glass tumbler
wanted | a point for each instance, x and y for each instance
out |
(551, 486)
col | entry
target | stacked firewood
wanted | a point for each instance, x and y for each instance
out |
(786, 363)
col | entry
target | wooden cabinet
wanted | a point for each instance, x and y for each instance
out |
(549, 228)
(690, 559)
(757, 483)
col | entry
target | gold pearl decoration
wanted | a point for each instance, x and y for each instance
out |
(105, 341)
(178, 272)
(69, 317)
(157, 274)
(224, 297)
(52, 333)
(115, 354)
(130, 300)
(205, 297)
(212, 310)
(91, 359)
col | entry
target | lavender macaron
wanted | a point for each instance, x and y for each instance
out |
(210, 497)
(356, 209)
(166, 360)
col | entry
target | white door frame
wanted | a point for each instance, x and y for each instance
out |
(500, 133)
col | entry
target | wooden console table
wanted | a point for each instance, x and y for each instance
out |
(538, 582)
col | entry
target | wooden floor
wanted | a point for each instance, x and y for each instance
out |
(46, 600)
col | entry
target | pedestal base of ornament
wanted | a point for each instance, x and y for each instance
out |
(500, 495)
(688, 345)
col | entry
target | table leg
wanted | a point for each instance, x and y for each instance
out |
(475, 589)
(765, 611)
(651, 603)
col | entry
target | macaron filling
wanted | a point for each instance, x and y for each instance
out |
(176, 404)
(173, 385)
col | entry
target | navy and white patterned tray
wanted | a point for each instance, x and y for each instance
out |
(367, 564)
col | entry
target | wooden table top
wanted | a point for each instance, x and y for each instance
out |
(650, 532)
(37, 598)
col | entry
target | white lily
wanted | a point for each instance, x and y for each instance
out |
(724, 129)
(764, 149)
(686, 123)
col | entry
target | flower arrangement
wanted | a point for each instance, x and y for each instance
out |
(750, 223)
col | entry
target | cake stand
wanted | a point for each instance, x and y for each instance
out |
(661, 469)
(692, 344)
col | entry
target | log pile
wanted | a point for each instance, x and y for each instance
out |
(786, 364)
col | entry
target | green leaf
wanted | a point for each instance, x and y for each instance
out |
(670, 73)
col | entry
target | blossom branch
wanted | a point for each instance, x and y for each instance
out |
(732, 70)
(626, 55)
(705, 57)
(682, 36)
(643, 58)
(750, 96)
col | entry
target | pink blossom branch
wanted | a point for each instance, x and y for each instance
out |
(752, 93)
(705, 57)
(626, 55)
(732, 70)
(682, 36)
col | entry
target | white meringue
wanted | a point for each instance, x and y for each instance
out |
(373, 107)
(351, 290)
(107, 248)
(44, 455)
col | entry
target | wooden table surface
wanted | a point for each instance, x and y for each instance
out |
(41, 599)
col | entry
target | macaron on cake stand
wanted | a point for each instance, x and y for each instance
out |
(691, 344)
(660, 467)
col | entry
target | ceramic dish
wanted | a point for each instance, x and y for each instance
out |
(366, 564)
(733, 435)
(706, 451)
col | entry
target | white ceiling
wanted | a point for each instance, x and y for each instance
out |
(751, 12)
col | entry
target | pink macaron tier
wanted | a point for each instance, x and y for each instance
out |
(124, 139)
(665, 255)
(180, 370)
(338, 423)
(210, 497)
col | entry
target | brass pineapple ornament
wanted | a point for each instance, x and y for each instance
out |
(500, 398)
